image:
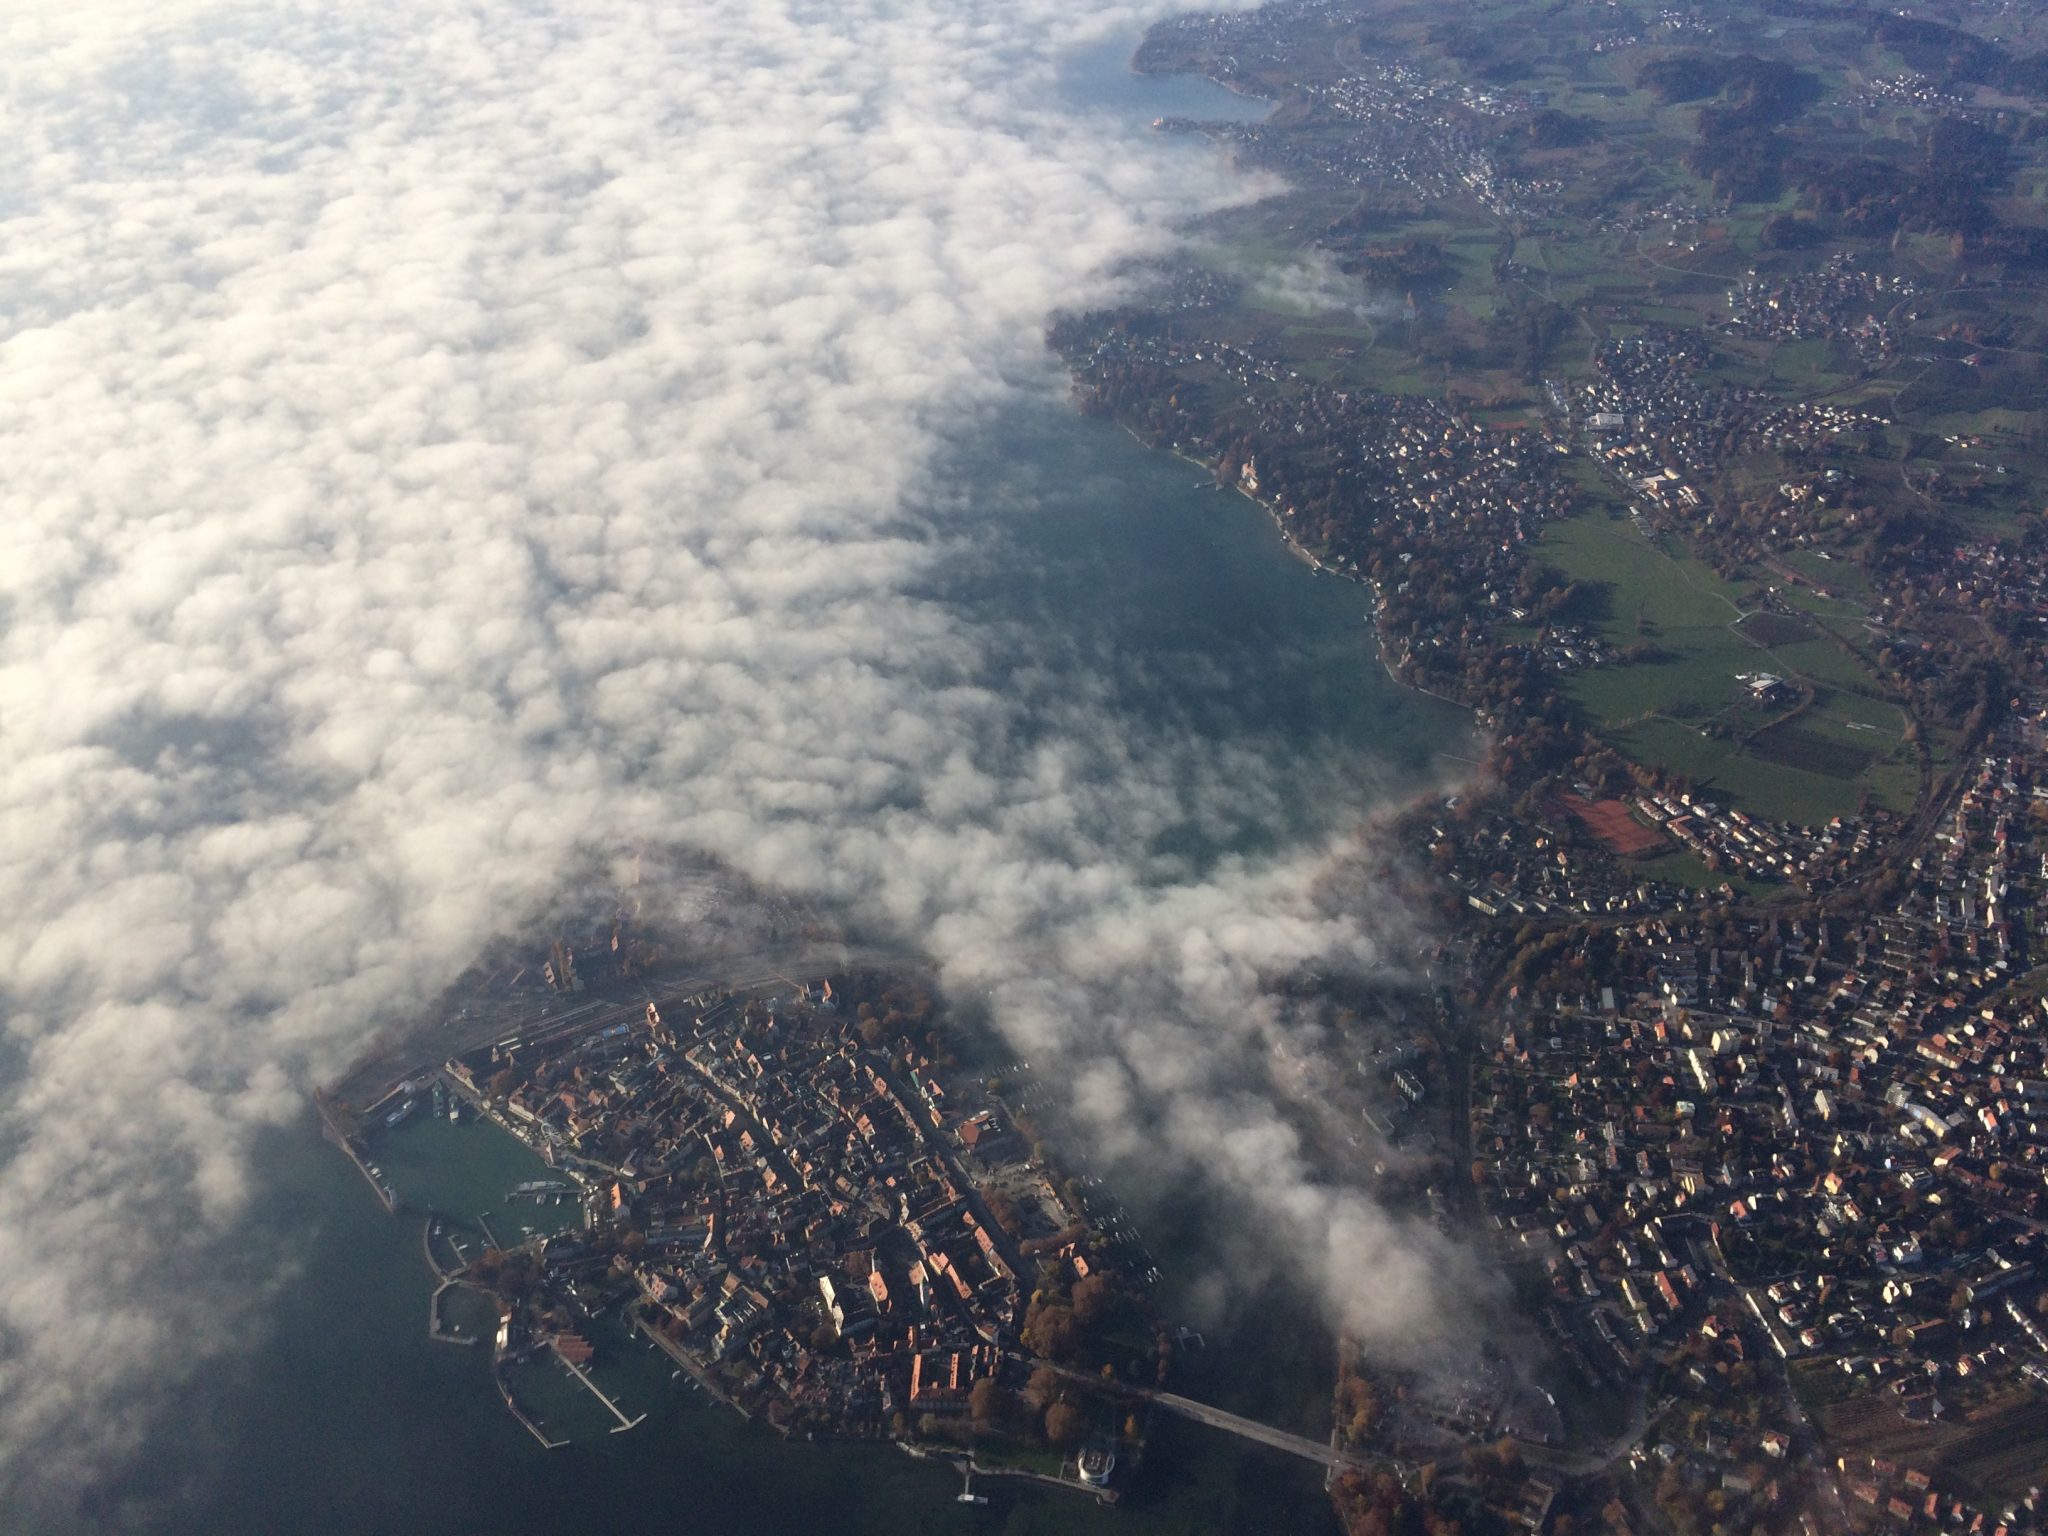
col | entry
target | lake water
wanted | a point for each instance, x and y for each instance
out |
(1100, 79)
(1111, 567)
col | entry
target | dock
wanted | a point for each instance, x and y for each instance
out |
(696, 1372)
(332, 1129)
(596, 1391)
(519, 1413)
(969, 1469)
(427, 1247)
(435, 1329)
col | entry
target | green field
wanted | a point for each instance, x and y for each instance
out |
(1682, 867)
(1685, 708)
(1838, 576)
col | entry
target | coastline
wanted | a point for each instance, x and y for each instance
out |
(455, 1078)
(1232, 86)
(965, 1463)
(1313, 561)
(481, 1106)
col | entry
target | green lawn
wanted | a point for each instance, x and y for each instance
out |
(1685, 868)
(1633, 590)
(1837, 575)
(1823, 660)
(1769, 789)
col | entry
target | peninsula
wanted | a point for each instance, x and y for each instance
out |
(798, 1194)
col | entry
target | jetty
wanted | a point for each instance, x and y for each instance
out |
(696, 1372)
(969, 1469)
(596, 1391)
(438, 1331)
(335, 1131)
(518, 1411)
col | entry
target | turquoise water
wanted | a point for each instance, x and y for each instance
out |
(466, 1172)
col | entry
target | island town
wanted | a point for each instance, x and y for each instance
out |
(828, 1229)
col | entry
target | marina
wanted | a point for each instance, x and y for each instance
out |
(597, 1392)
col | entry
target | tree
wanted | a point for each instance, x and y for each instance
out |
(985, 1400)
(1093, 1297)
(1050, 1330)
(1494, 1465)
(1065, 1424)
(1358, 1406)
(1004, 1210)
(1044, 1385)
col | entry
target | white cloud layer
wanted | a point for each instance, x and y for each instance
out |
(439, 440)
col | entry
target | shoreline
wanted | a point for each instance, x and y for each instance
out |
(1232, 86)
(1313, 561)
(965, 1463)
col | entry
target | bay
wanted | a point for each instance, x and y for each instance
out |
(1100, 78)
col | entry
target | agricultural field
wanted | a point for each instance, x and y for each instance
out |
(1685, 707)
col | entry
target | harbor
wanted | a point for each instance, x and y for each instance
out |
(595, 1390)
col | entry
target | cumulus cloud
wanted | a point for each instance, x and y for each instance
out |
(441, 441)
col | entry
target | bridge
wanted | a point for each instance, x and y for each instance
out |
(1321, 1452)
(1327, 1454)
